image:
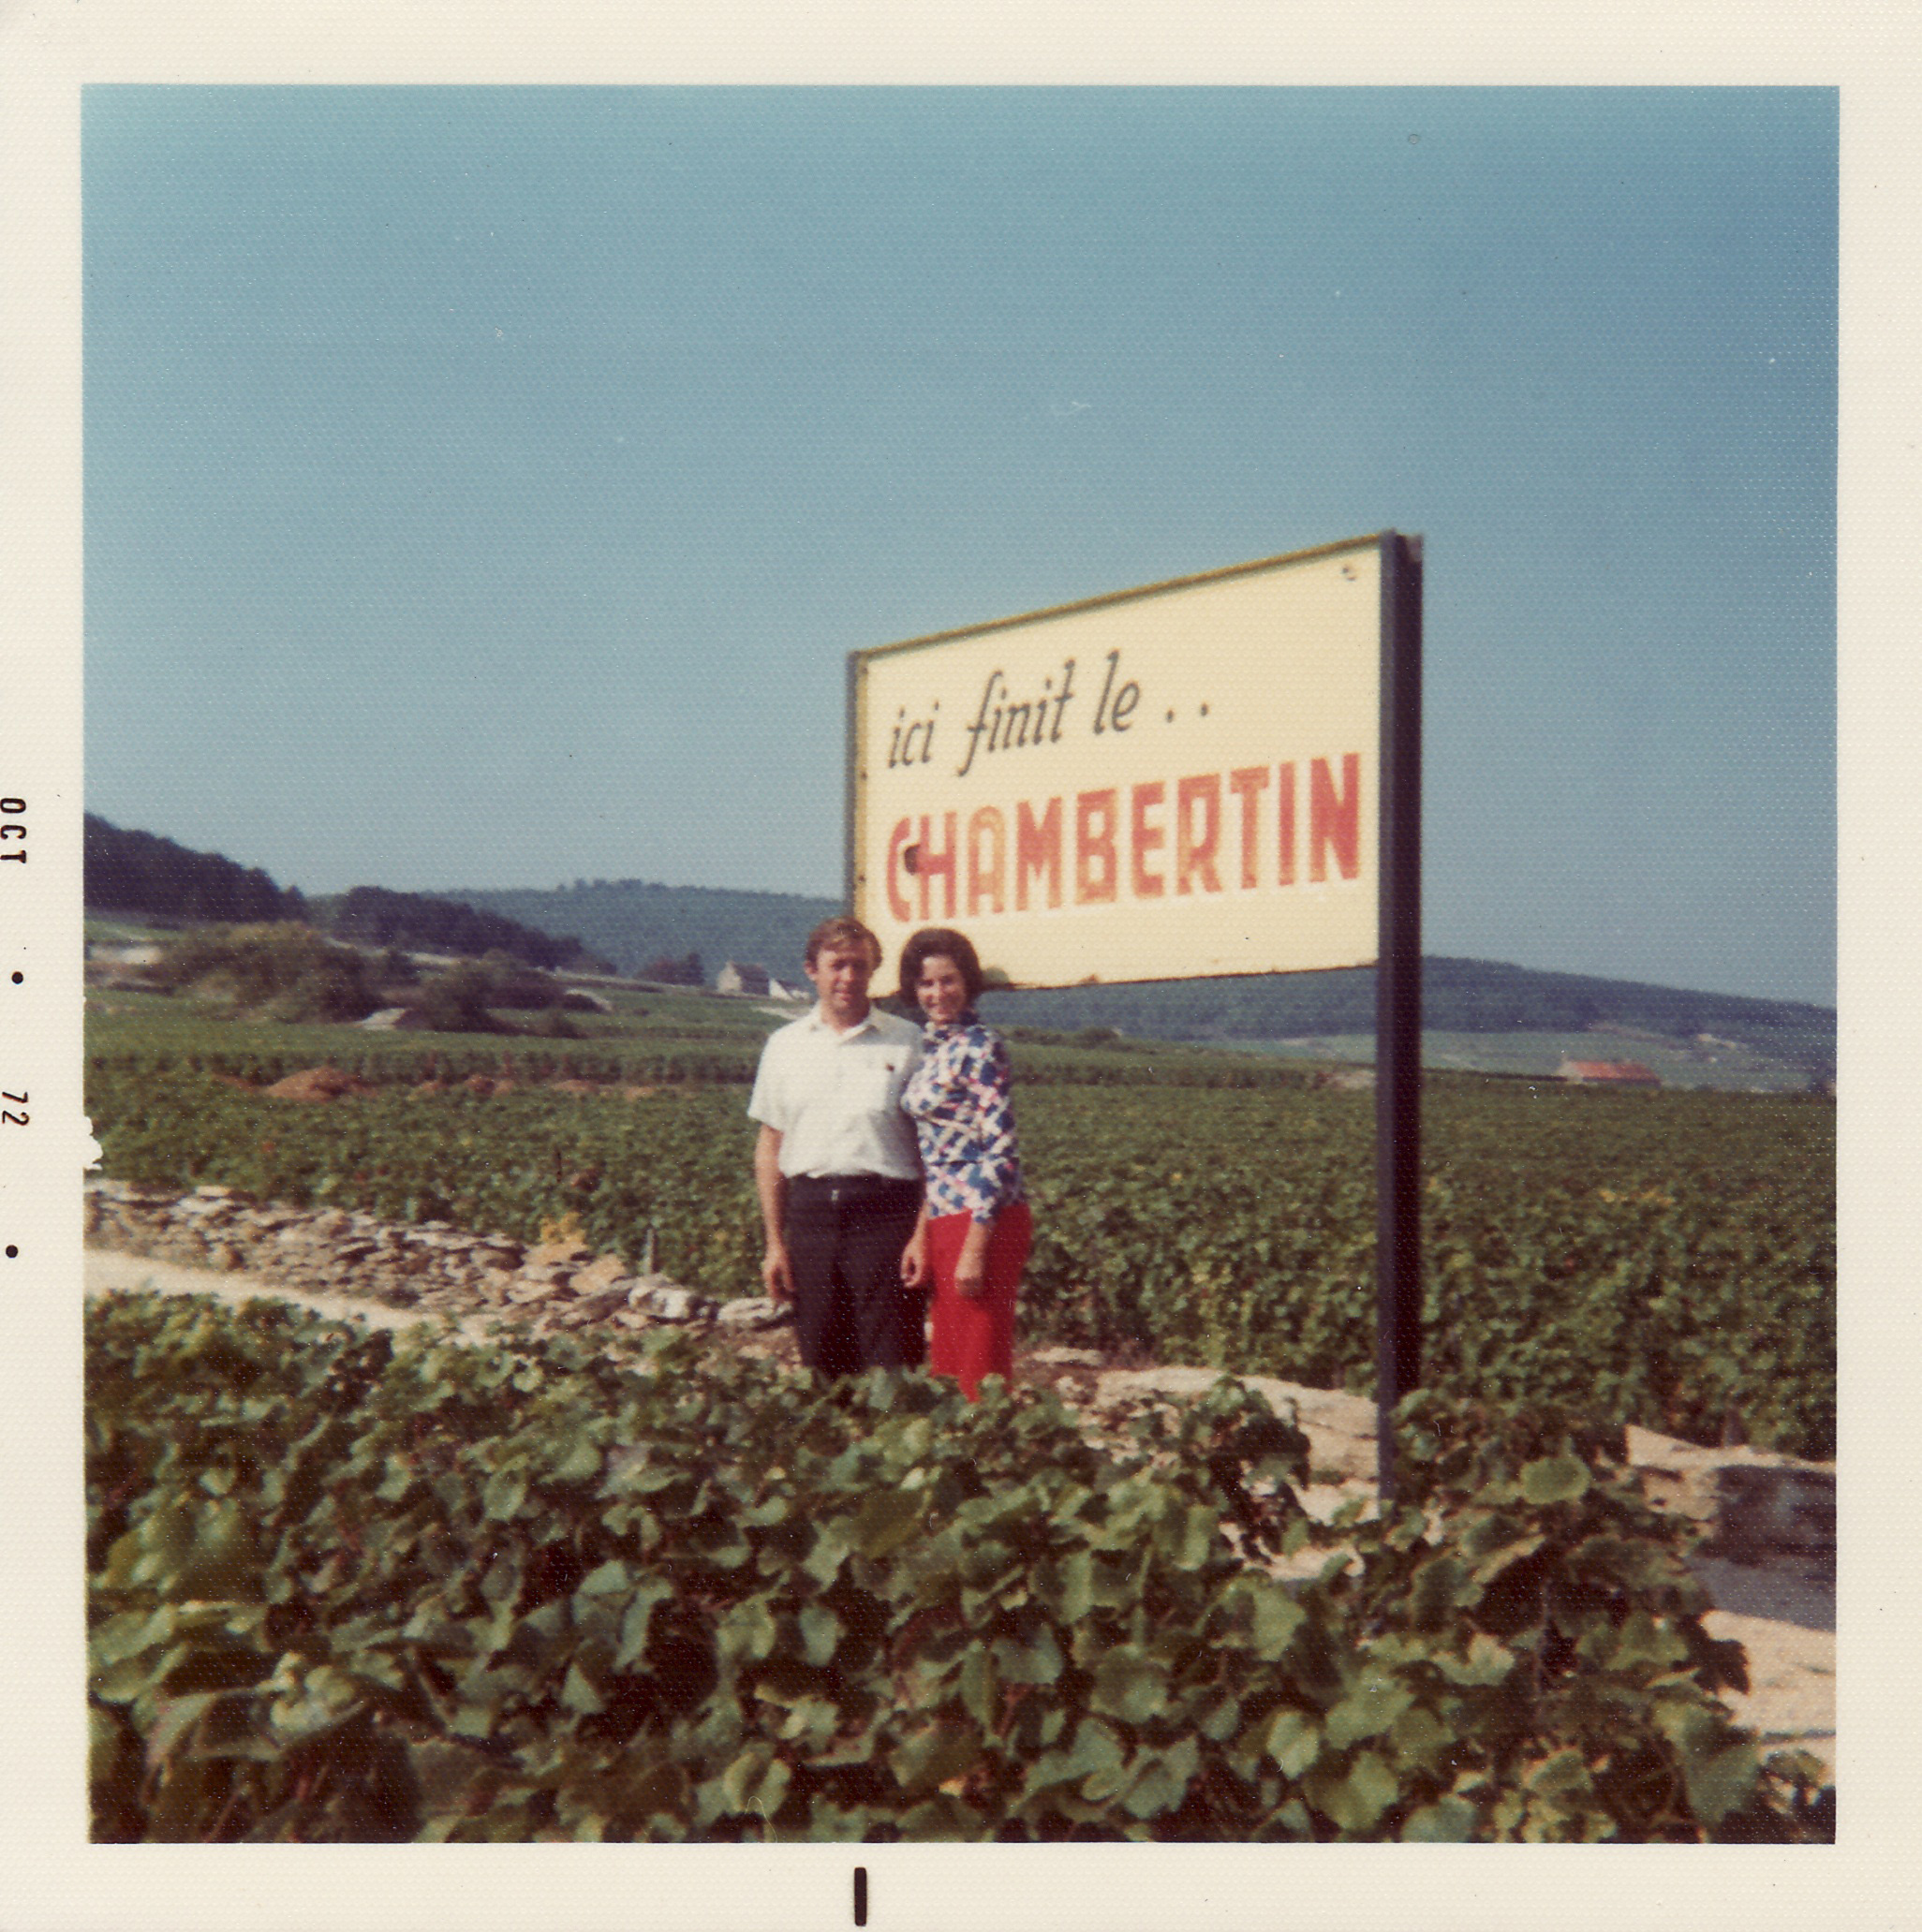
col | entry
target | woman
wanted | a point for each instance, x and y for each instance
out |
(973, 1240)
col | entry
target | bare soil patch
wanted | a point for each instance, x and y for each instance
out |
(320, 1083)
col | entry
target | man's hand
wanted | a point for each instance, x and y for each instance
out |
(914, 1272)
(776, 1277)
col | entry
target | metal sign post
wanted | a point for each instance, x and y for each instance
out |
(1398, 1001)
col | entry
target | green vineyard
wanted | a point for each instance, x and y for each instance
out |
(1661, 1258)
(346, 1589)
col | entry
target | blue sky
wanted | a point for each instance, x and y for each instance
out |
(485, 486)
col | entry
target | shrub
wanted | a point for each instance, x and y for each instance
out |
(330, 991)
(288, 969)
(669, 972)
(463, 998)
(456, 1001)
(1095, 1036)
(512, 983)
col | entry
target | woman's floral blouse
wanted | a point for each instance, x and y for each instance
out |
(960, 1097)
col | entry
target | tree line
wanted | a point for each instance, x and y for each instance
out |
(137, 872)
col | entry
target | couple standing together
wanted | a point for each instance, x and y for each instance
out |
(887, 1166)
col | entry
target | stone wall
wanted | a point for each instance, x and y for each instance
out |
(431, 1268)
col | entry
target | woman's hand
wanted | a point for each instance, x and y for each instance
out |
(970, 1268)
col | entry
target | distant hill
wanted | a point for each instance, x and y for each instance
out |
(1458, 996)
(124, 871)
(372, 916)
(632, 922)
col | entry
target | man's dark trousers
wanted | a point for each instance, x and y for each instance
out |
(851, 1310)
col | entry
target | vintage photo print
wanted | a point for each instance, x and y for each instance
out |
(950, 469)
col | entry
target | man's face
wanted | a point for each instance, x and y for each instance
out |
(840, 975)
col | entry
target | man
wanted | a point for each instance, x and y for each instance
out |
(836, 1167)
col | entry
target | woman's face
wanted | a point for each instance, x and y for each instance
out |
(941, 990)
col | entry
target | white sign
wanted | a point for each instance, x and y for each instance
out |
(1170, 783)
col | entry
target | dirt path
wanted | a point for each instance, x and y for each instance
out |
(1785, 1622)
(109, 1271)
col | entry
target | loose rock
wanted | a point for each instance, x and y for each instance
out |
(752, 1311)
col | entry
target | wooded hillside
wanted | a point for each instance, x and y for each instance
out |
(137, 872)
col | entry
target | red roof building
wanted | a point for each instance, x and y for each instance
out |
(1607, 1073)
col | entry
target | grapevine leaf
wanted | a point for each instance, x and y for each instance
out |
(1555, 1479)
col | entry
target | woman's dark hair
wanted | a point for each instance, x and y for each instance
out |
(939, 943)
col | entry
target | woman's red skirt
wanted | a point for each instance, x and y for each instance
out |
(970, 1338)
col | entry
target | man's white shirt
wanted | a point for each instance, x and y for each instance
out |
(834, 1099)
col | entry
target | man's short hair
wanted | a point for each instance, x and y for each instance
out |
(842, 930)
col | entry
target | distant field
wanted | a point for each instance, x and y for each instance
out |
(1718, 1069)
(674, 1036)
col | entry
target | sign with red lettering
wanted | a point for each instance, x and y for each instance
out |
(1169, 782)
